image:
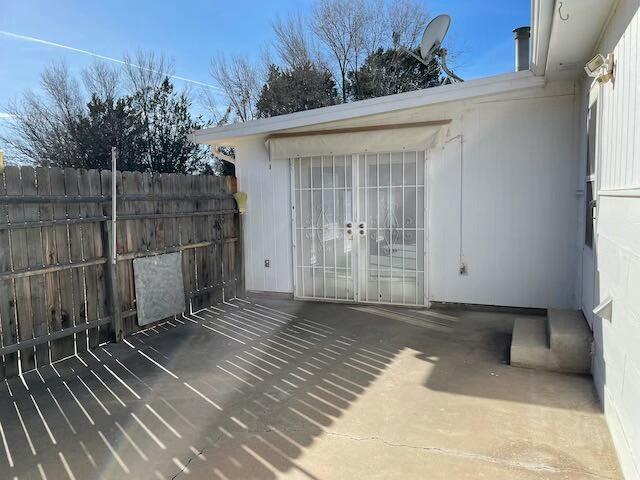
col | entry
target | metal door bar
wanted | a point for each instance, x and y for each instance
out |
(355, 272)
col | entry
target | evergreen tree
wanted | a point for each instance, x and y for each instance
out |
(109, 123)
(292, 90)
(386, 72)
(149, 126)
(166, 124)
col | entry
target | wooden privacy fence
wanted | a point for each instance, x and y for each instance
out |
(58, 292)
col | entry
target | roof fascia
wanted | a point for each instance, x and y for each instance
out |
(542, 24)
(430, 96)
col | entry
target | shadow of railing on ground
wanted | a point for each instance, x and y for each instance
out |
(234, 391)
(243, 389)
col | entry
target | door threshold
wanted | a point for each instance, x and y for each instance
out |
(354, 302)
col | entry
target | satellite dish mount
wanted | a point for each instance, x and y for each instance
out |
(431, 46)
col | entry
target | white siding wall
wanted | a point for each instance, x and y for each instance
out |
(519, 226)
(267, 224)
(621, 101)
(616, 363)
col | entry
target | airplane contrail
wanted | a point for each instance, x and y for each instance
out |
(102, 57)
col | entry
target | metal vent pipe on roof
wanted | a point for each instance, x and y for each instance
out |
(522, 36)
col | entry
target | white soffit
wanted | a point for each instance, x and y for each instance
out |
(230, 134)
(576, 29)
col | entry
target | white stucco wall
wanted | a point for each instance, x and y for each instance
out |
(616, 362)
(519, 204)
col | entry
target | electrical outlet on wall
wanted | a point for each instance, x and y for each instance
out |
(462, 269)
(267, 263)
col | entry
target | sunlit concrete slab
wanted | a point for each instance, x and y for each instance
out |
(269, 388)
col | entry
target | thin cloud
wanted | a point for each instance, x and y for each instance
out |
(40, 41)
(5, 116)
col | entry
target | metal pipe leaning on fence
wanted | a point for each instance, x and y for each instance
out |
(116, 313)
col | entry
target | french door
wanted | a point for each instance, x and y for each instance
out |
(359, 223)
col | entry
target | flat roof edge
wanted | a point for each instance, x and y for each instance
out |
(402, 101)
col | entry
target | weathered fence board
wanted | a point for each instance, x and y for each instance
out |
(103, 331)
(20, 260)
(34, 259)
(75, 249)
(128, 242)
(88, 251)
(7, 297)
(55, 294)
(185, 229)
(49, 257)
(61, 348)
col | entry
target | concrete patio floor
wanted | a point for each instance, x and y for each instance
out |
(269, 388)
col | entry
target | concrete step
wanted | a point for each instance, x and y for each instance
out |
(560, 342)
(570, 340)
(529, 346)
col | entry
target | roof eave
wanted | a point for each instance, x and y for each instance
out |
(541, 25)
(402, 101)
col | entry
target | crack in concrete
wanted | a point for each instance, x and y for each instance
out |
(535, 467)
(186, 465)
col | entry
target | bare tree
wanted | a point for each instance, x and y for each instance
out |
(239, 81)
(350, 30)
(376, 32)
(40, 127)
(407, 18)
(336, 23)
(145, 70)
(209, 101)
(102, 80)
(292, 40)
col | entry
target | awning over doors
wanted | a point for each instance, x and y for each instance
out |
(379, 138)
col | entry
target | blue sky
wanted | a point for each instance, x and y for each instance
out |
(191, 31)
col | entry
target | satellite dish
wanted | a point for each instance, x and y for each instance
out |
(431, 46)
(433, 36)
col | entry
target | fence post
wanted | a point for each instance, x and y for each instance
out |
(239, 253)
(110, 241)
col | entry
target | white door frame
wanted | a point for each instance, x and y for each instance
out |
(358, 215)
(590, 252)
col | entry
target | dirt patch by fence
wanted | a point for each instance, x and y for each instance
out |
(55, 278)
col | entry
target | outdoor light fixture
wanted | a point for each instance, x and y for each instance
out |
(600, 68)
